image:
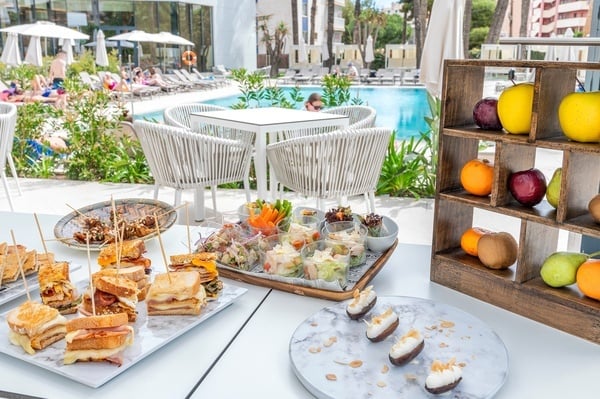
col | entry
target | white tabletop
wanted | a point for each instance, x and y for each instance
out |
(269, 118)
(170, 372)
(543, 362)
(262, 121)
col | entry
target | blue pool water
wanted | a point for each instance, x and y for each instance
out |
(403, 109)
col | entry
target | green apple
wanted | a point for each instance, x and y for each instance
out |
(560, 268)
(579, 116)
(553, 190)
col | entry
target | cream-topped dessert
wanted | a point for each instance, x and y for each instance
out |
(381, 326)
(406, 347)
(443, 376)
(363, 302)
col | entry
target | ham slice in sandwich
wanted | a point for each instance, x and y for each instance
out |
(176, 294)
(112, 295)
(98, 338)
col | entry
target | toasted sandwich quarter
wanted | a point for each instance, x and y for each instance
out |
(176, 294)
(131, 255)
(56, 289)
(133, 273)
(46, 258)
(112, 294)
(34, 326)
(204, 263)
(98, 338)
(10, 263)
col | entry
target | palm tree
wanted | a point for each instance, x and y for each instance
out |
(467, 26)
(525, 4)
(313, 12)
(330, 11)
(420, 13)
(407, 14)
(497, 19)
(294, 21)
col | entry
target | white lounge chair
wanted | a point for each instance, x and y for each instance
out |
(8, 120)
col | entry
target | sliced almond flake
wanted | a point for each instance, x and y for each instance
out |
(381, 384)
(410, 377)
(355, 364)
(433, 327)
(330, 341)
(314, 324)
(314, 349)
(331, 377)
(385, 369)
(447, 324)
(462, 364)
(340, 362)
(443, 345)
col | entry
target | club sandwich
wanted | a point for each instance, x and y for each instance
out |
(35, 326)
(56, 289)
(112, 295)
(176, 294)
(204, 263)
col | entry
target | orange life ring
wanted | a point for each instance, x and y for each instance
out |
(189, 58)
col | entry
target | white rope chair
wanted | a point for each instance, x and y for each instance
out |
(360, 116)
(179, 115)
(331, 165)
(182, 159)
(8, 120)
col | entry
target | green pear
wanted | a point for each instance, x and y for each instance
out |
(560, 268)
(553, 190)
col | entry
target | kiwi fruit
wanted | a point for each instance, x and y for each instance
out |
(497, 250)
(594, 208)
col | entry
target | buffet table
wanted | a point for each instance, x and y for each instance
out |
(266, 120)
(243, 351)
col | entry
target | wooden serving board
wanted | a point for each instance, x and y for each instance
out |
(309, 291)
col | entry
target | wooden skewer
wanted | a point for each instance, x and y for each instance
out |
(118, 246)
(87, 241)
(162, 248)
(172, 210)
(12, 234)
(76, 211)
(187, 222)
(37, 222)
(5, 255)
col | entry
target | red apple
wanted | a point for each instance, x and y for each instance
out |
(528, 187)
(485, 114)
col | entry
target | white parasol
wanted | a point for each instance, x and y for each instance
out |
(169, 38)
(11, 54)
(34, 51)
(67, 46)
(137, 36)
(101, 56)
(324, 51)
(302, 54)
(369, 53)
(444, 40)
(46, 29)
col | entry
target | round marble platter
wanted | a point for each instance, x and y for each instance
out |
(333, 358)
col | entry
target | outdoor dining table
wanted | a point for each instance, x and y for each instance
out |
(243, 351)
(263, 121)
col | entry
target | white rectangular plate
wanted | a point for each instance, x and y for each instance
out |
(151, 333)
(16, 289)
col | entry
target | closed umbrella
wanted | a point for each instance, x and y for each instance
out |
(67, 46)
(324, 51)
(369, 53)
(46, 29)
(302, 54)
(34, 51)
(444, 40)
(11, 54)
(101, 56)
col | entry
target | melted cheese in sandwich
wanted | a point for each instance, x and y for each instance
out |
(21, 340)
(86, 354)
(161, 298)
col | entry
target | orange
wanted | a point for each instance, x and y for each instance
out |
(588, 278)
(477, 176)
(470, 238)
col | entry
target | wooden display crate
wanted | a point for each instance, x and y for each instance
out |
(518, 289)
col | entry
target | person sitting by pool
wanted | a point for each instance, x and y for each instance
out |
(152, 80)
(111, 84)
(352, 71)
(314, 103)
(15, 94)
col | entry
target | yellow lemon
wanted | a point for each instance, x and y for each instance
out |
(579, 116)
(515, 106)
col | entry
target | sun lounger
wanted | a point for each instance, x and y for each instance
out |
(287, 78)
(219, 81)
(195, 79)
(197, 83)
(304, 76)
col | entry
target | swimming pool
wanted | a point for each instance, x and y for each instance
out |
(400, 108)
